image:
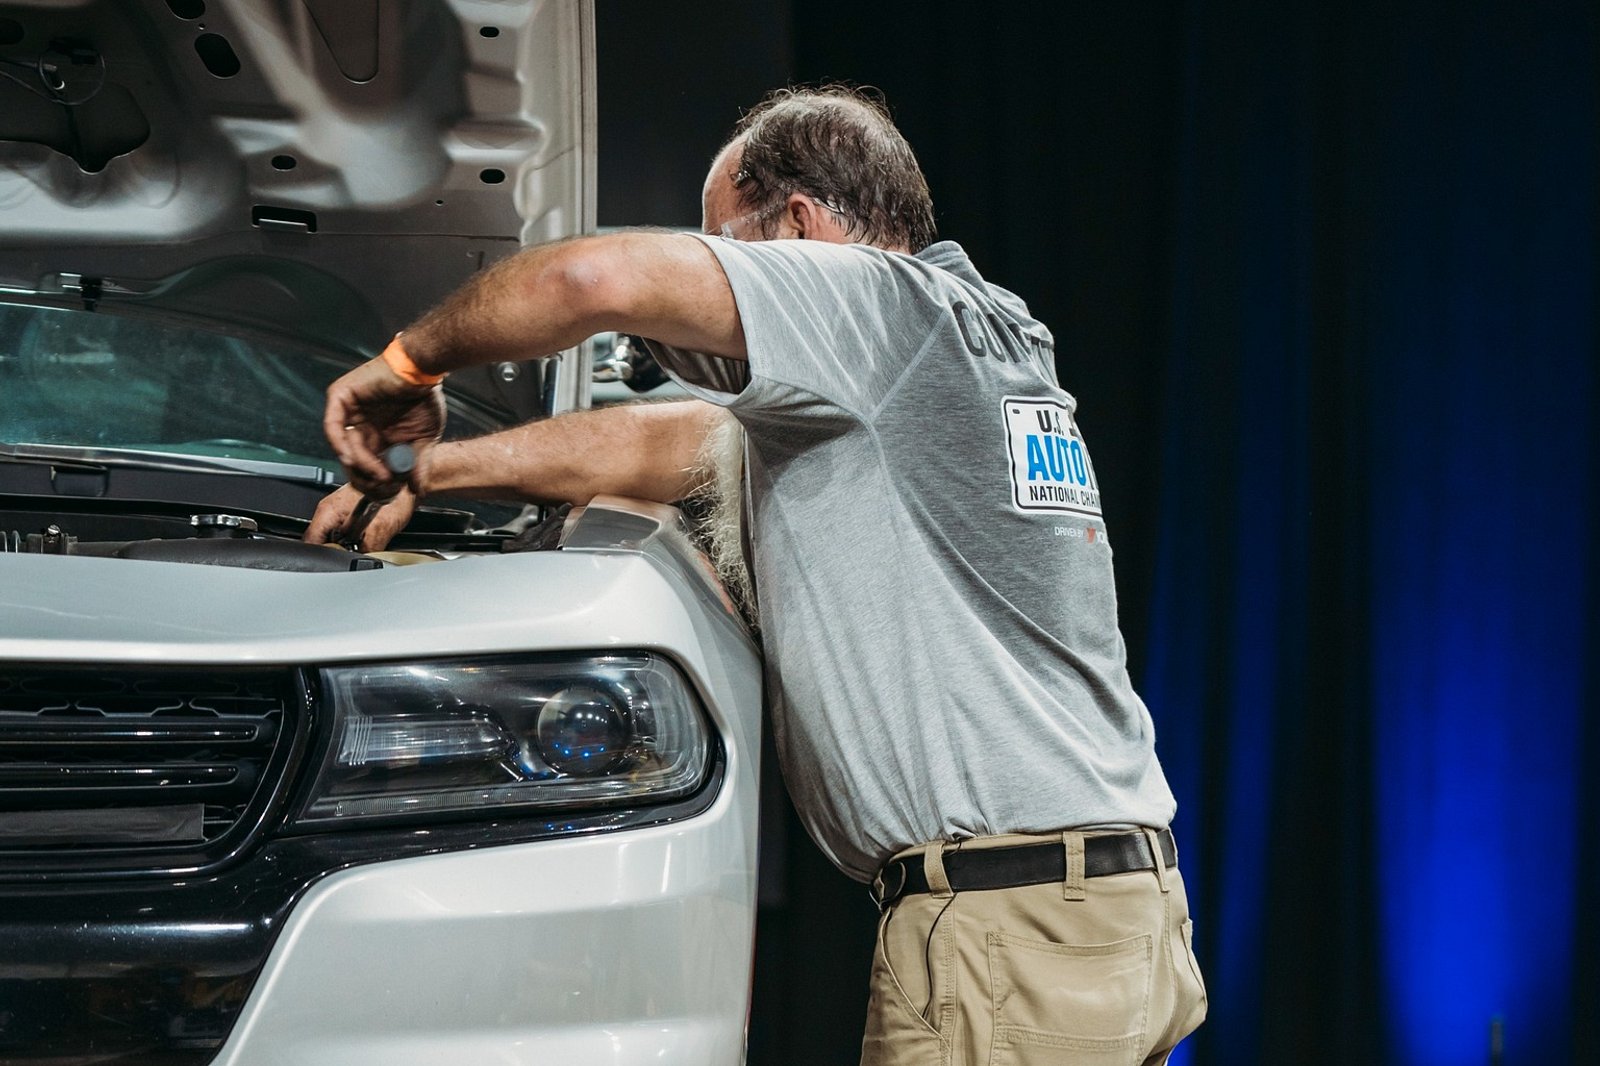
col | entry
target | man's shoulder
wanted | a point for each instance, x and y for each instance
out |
(854, 272)
(826, 254)
(952, 260)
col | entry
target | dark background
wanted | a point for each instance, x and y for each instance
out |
(1323, 280)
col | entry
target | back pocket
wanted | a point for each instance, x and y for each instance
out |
(1059, 1003)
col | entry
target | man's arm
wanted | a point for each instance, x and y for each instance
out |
(650, 451)
(668, 287)
(665, 286)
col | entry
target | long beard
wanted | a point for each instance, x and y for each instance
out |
(722, 496)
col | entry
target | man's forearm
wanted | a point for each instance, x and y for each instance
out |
(524, 307)
(650, 451)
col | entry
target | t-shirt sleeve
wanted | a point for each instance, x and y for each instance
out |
(839, 323)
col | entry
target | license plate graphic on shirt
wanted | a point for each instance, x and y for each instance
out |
(1050, 468)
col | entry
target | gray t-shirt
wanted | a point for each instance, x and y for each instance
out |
(932, 569)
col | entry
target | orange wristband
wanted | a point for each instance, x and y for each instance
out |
(401, 364)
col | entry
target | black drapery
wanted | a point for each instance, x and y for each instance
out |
(1323, 279)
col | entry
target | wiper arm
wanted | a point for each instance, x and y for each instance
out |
(153, 460)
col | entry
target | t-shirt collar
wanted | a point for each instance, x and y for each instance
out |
(948, 255)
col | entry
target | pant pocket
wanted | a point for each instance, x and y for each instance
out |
(1065, 1003)
(1197, 992)
(896, 1033)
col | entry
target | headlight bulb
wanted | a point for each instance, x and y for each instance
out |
(582, 730)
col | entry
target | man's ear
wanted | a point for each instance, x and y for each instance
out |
(799, 213)
(810, 221)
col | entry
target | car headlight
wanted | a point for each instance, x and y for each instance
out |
(494, 736)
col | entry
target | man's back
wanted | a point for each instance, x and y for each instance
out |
(933, 571)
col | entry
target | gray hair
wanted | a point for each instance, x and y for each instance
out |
(720, 465)
(838, 145)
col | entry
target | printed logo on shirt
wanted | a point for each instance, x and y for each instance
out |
(1050, 467)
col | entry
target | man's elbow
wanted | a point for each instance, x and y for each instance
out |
(589, 283)
(668, 287)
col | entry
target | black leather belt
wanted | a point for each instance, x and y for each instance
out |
(1031, 864)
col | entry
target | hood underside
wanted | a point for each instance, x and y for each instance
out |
(325, 168)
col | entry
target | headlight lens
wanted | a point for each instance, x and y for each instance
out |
(493, 736)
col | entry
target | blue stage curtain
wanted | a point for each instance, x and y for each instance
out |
(1376, 572)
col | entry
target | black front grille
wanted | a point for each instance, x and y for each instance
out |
(138, 768)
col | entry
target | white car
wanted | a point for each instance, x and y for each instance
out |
(487, 797)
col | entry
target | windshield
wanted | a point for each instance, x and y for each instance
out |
(93, 379)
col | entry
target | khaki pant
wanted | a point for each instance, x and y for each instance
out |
(1028, 976)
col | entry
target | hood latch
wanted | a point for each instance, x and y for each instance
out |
(89, 289)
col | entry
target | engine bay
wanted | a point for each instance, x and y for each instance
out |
(186, 510)
(211, 539)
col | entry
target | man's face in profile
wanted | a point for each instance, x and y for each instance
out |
(721, 211)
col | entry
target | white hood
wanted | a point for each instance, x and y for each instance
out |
(325, 169)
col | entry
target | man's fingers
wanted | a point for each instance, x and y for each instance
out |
(350, 435)
(331, 523)
(371, 408)
(332, 517)
(391, 518)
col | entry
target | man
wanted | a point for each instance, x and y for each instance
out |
(945, 675)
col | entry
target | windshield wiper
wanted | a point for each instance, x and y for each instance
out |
(155, 460)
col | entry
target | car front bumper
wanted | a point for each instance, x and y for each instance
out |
(630, 947)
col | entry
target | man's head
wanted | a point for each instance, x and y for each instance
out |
(821, 164)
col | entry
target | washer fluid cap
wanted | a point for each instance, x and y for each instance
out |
(223, 525)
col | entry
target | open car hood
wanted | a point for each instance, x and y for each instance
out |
(323, 170)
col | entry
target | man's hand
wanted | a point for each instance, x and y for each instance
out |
(371, 408)
(333, 516)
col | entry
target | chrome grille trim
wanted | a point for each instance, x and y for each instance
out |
(83, 749)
